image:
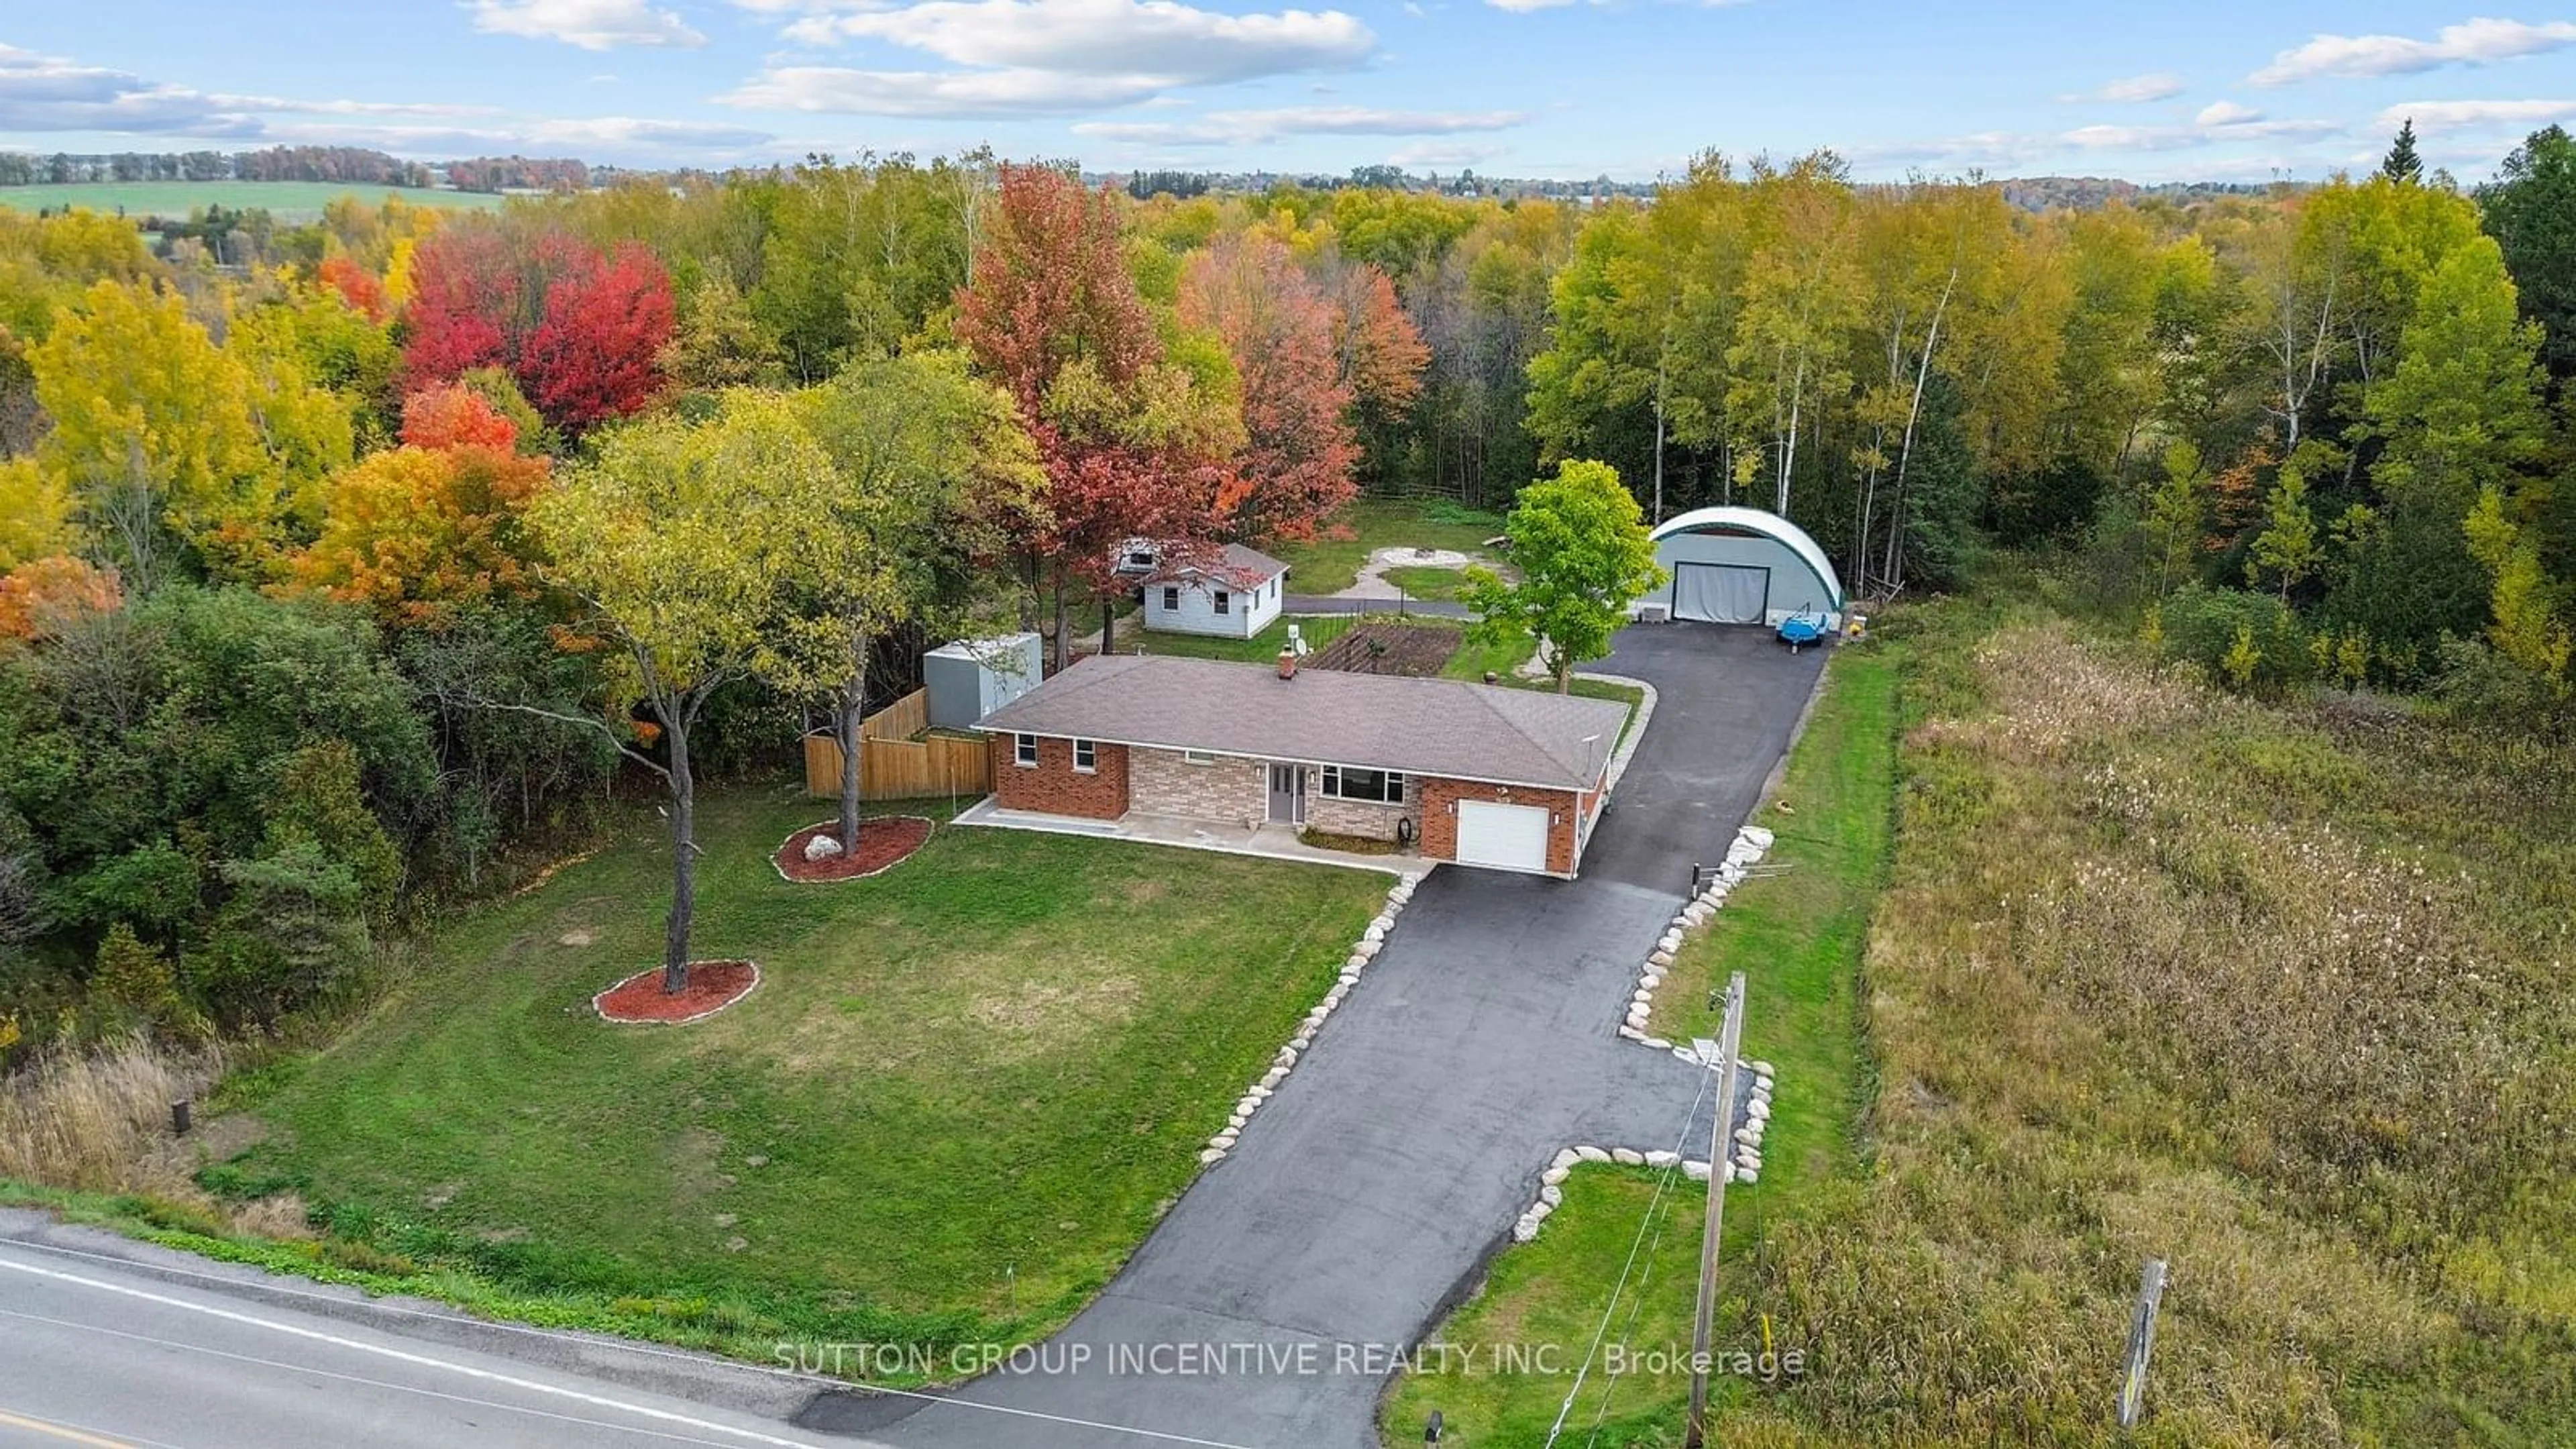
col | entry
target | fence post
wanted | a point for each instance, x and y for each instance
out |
(2142, 1342)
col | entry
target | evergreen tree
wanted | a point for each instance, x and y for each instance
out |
(2403, 165)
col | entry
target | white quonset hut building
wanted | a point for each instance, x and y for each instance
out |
(1744, 566)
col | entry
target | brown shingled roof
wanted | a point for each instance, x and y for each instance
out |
(1234, 564)
(1383, 722)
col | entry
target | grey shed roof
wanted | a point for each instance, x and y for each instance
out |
(1384, 722)
(1235, 564)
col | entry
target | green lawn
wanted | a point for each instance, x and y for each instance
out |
(1426, 581)
(1262, 648)
(1330, 565)
(1797, 935)
(289, 201)
(962, 1094)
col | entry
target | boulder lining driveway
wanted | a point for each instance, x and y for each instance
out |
(1267, 1309)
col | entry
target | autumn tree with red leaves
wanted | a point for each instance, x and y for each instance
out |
(1283, 333)
(1129, 445)
(582, 333)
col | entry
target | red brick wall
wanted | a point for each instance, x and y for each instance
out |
(1440, 817)
(1053, 786)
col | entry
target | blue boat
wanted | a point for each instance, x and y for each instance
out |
(1797, 631)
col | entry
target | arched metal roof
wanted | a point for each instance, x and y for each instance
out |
(1731, 519)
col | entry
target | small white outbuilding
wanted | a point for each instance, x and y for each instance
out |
(1234, 592)
(1732, 565)
(972, 678)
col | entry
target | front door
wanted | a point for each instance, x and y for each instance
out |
(1288, 794)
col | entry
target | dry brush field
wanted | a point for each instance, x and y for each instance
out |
(2276, 991)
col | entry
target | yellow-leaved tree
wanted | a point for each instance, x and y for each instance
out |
(681, 540)
(155, 436)
(928, 466)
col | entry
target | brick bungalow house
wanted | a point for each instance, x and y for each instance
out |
(1476, 774)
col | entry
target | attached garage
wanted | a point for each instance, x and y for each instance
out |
(1507, 837)
(1744, 566)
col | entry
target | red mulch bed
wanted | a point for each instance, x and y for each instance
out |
(713, 986)
(883, 840)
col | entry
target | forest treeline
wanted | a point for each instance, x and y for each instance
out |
(336, 586)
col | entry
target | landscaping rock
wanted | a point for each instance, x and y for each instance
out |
(1659, 1044)
(1551, 1195)
(1662, 1157)
(1564, 1159)
(822, 847)
(1271, 1079)
(1212, 1156)
(1553, 1176)
(1695, 1170)
(1659, 957)
(1592, 1154)
(1525, 1229)
(1631, 1032)
(1627, 1157)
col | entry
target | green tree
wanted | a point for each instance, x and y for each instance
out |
(927, 462)
(2287, 547)
(2177, 515)
(2462, 408)
(1583, 552)
(2526, 628)
(2402, 165)
(679, 540)
(2530, 209)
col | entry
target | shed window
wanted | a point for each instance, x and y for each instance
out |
(1224, 601)
(1171, 597)
(1025, 751)
(1086, 756)
(1382, 787)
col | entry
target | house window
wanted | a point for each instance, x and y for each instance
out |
(1380, 787)
(1025, 751)
(1224, 601)
(1086, 756)
(1198, 757)
(1171, 598)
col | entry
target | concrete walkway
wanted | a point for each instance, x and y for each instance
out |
(1365, 1199)
(1277, 842)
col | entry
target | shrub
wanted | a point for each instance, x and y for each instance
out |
(2246, 641)
(291, 932)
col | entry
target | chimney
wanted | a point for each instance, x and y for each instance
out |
(1287, 663)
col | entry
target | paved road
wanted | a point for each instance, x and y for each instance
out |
(1366, 1197)
(109, 1342)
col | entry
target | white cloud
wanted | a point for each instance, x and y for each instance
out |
(990, 94)
(2466, 115)
(51, 93)
(1108, 37)
(1246, 128)
(2471, 42)
(1443, 153)
(2133, 90)
(1050, 57)
(2226, 113)
(590, 24)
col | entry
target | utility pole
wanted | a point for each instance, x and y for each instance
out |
(1720, 1166)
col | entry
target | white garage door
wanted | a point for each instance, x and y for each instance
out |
(1720, 593)
(1511, 836)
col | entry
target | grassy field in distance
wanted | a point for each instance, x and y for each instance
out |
(289, 201)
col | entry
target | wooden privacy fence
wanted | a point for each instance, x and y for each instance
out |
(895, 766)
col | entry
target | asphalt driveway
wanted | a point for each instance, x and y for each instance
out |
(1365, 1198)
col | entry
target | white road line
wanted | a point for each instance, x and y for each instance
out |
(927, 1399)
(599, 1401)
(309, 1371)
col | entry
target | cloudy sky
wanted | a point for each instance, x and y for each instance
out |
(2179, 89)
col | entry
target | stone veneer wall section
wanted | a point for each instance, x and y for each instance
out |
(1233, 789)
(1053, 786)
(1361, 818)
(1440, 819)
